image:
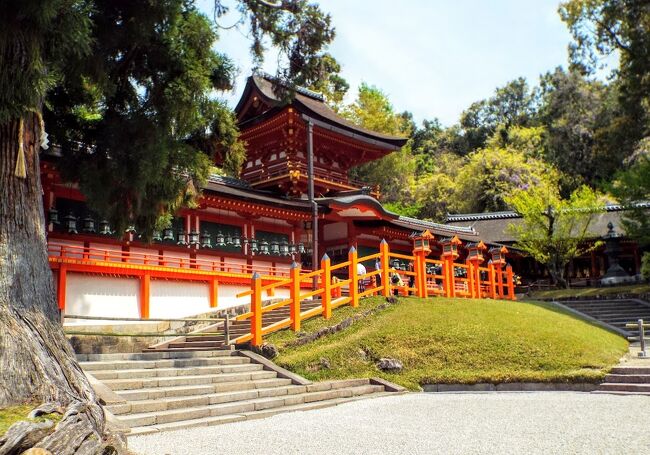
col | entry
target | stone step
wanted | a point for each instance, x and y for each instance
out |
(609, 386)
(220, 338)
(175, 372)
(631, 370)
(628, 378)
(154, 393)
(196, 344)
(238, 407)
(144, 383)
(168, 403)
(165, 363)
(211, 421)
(614, 392)
(152, 355)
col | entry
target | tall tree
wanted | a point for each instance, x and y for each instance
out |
(393, 173)
(130, 87)
(553, 230)
(512, 104)
(603, 28)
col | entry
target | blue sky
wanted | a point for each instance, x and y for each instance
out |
(431, 57)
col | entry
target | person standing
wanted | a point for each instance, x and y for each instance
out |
(378, 267)
(361, 270)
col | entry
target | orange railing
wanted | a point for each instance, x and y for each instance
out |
(449, 282)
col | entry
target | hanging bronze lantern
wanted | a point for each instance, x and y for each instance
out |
(168, 234)
(156, 236)
(254, 246)
(206, 240)
(105, 227)
(70, 223)
(220, 240)
(88, 225)
(182, 241)
(275, 248)
(264, 247)
(236, 242)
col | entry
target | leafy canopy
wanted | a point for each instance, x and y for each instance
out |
(553, 230)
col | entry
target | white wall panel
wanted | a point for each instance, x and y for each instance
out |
(90, 295)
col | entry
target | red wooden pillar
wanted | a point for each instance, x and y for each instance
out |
(145, 282)
(499, 272)
(510, 282)
(61, 285)
(214, 292)
(354, 278)
(385, 267)
(493, 287)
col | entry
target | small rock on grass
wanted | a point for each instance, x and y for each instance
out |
(390, 365)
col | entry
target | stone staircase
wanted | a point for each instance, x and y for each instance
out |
(235, 329)
(627, 380)
(158, 391)
(615, 313)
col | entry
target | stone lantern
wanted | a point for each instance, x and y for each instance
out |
(615, 273)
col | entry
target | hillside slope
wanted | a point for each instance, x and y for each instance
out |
(443, 340)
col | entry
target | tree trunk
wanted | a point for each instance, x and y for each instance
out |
(36, 361)
(557, 275)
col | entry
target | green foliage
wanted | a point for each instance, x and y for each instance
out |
(553, 230)
(493, 173)
(444, 340)
(602, 28)
(393, 173)
(633, 185)
(39, 42)
(513, 104)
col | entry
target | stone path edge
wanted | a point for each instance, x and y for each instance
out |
(513, 387)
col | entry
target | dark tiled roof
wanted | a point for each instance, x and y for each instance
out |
(313, 105)
(230, 181)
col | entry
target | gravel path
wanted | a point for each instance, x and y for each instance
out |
(419, 423)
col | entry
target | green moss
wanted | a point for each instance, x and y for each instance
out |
(13, 414)
(444, 340)
(591, 292)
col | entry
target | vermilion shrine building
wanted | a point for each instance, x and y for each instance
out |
(261, 222)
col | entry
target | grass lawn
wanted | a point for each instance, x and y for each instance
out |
(442, 340)
(13, 414)
(591, 292)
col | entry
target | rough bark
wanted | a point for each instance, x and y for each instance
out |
(36, 361)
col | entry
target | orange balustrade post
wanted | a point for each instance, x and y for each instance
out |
(326, 281)
(471, 278)
(214, 292)
(499, 272)
(510, 282)
(145, 282)
(294, 290)
(61, 281)
(256, 309)
(354, 278)
(384, 251)
(477, 271)
(451, 277)
(493, 287)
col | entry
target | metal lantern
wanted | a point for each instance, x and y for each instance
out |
(292, 249)
(105, 227)
(88, 225)
(254, 248)
(236, 242)
(70, 223)
(284, 248)
(168, 234)
(301, 248)
(475, 251)
(194, 238)
(499, 255)
(275, 248)
(131, 229)
(53, 215)
(229, 239)
(450, 246)
(421, 241)
(264, 247)
(156, 236)
(206, 240)
(219, 239)
(181, 237)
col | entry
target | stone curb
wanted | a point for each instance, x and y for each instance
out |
(513, 387)
(645, 298)
(388, 386)
(268, 365)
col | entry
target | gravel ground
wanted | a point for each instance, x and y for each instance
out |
(419, 423)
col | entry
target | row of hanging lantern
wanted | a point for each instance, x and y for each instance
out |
(193, 238)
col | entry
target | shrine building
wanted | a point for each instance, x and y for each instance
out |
(261, 222)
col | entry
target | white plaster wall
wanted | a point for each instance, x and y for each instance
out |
(335, 231)
(178, 299)
(90, 295)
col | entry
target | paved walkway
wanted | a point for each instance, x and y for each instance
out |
(419, 423)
